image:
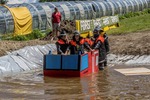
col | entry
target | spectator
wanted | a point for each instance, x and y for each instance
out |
(56, 19)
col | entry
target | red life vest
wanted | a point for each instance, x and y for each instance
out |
(60, 41)
(89, 41)
(72, 42)
(100, 38)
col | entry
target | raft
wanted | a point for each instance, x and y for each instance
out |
(77, 65)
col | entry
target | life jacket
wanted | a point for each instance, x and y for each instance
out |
(76, 47)
(90, 42)
(60, 41)
(102, 49)
(100, 38)
(63, 45)
(72, 42)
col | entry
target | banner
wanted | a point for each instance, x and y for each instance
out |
(88, 25)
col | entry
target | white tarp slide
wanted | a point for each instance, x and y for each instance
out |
(25, 59)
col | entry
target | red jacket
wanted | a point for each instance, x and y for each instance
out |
(73, 43)
(56, 17)
(100, 38)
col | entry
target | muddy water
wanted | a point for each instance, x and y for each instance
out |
(105, 85)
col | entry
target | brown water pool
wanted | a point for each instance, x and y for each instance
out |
(105, 85)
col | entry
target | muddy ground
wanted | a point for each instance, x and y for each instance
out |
(8, 46)
(132, 44)
(137, 43)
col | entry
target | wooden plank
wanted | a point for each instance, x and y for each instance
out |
(134, 71)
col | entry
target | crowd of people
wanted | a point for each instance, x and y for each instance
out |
(78, 44)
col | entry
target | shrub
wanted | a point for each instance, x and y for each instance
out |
(20, 38)
(36, 34)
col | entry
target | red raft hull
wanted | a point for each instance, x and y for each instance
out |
(83, 65)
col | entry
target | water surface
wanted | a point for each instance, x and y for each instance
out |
(104, 85)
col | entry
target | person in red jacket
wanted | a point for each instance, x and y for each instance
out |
(56, 19)
(99, 45)
(62, 44)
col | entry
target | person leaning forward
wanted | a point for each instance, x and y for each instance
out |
(62, 44)
(56, 19)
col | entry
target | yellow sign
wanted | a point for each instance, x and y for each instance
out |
(85, 27)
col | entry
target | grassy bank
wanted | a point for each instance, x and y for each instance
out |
(36, 34)
(132, 24)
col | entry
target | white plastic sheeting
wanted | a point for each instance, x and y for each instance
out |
(129, 59)
(25, 59)
(31, 57)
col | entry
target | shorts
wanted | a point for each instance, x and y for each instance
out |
(56, 26)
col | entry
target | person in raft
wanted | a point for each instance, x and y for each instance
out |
(99, 45)
(77, 44)
(62, 44)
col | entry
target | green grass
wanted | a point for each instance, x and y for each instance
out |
(132, 24)
(36, 34)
